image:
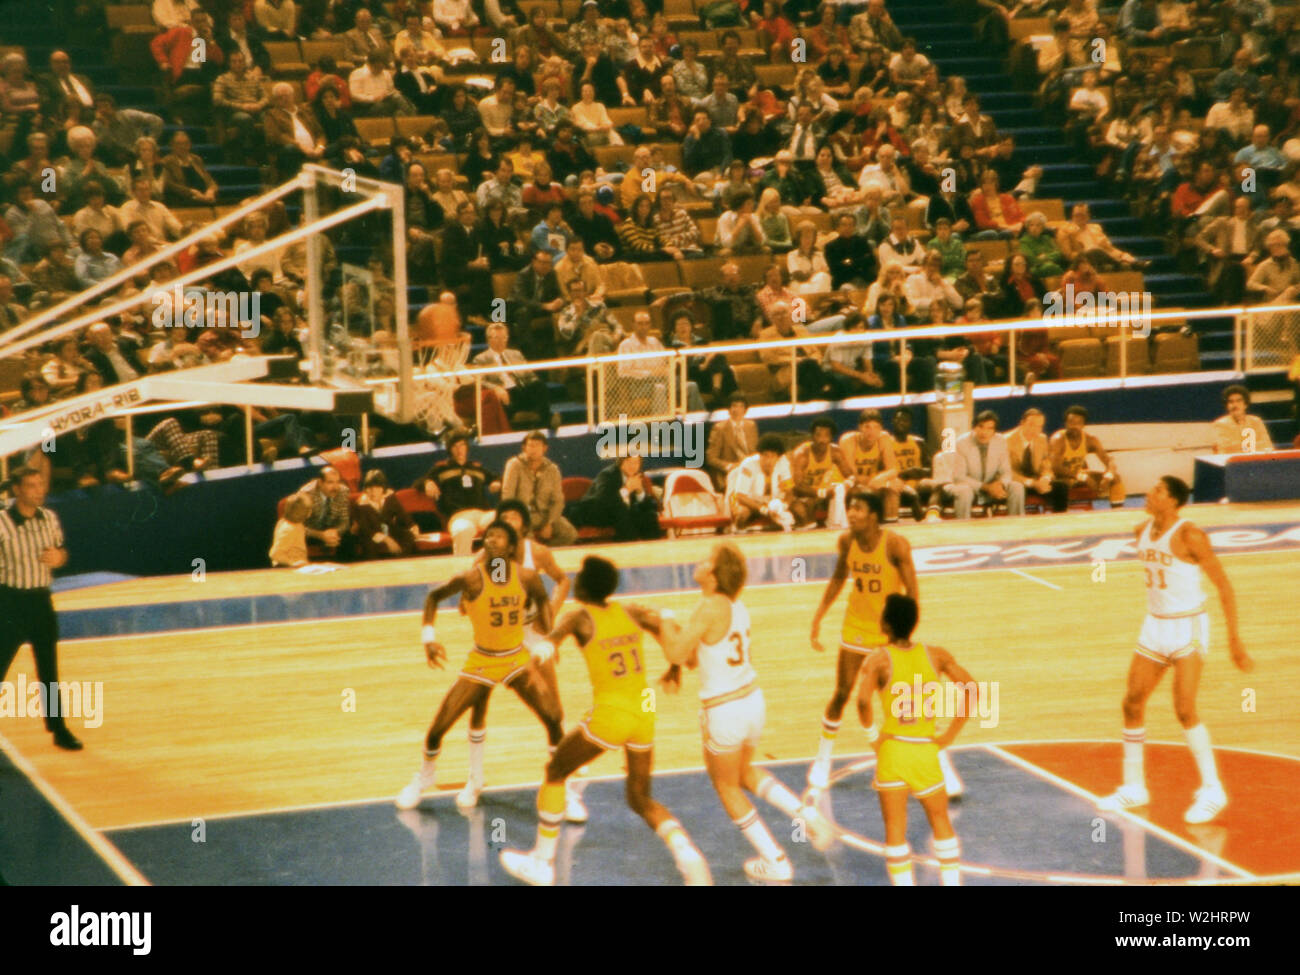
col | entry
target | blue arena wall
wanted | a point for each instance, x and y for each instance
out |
(226, 517)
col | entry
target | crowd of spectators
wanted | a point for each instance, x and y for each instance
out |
(865, 183)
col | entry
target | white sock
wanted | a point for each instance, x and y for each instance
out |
(772, 791)
(1134, 747)
(899, 865)
(759, 836)
(827, 743)
(1198, 740)
(678, 843)
(428, 765)
(477, 739)
(948, 852)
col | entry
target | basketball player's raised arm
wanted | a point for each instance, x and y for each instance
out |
(532, 583)
(576, 623)
(833, 586)
(546, 564)
(900, 553)
(948, 667)
(681, 642)
(1202, 553)
(648, 619)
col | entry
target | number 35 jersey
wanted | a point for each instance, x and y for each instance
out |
(727, 665)
(497, 615)
(872, 577)
(615, 658)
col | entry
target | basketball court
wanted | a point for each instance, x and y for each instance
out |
(257, 725)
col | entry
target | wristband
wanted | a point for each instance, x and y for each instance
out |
(667, 614)
(542, 651)
(427, 634)
(872, 735)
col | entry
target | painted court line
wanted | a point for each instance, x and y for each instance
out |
(1172, 838)
(1042, 582)
(639, 594)
(96, 840)
(442, 793)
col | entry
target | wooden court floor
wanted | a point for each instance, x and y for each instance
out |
(238, 720)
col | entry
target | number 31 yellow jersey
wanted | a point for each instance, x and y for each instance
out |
(615, 658)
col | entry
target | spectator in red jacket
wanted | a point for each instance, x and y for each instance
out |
(996, 214)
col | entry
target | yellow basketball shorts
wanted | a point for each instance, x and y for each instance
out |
(861, 639)
(493, 668)
(908, 765)
(619, 726)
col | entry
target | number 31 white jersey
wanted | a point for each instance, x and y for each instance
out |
(1173, 585)
(727, 665)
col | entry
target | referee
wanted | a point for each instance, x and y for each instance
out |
(31, 548)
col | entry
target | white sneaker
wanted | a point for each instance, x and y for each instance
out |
(821, 834)
(467, 798)
(529, 868)
(409, 797)
(932, 516)
(1125, 797)
(695, 869)
(769, 872)
(575, 810)
(1209, 802)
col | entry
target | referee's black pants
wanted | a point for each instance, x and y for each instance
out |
(27, 616)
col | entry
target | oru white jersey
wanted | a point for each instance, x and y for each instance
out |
(1173, 585)
(727, 665)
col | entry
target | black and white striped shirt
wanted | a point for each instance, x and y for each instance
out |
(22, 540)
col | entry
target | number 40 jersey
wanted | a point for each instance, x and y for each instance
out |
(727, 665)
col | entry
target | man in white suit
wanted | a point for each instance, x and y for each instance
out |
(983, 470)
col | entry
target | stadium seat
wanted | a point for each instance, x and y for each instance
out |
(690, 505)
(286, 59)
(377, 132)
(347, 463)
(663, 278)
(574, 489)
(424, 512)
(1137, 364)
(1080, 358)
(755, 381)
(1176, 352)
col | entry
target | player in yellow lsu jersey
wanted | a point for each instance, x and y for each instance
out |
(908, 745)
(870, 457)
(875, 562)
(496, 591)
(610, 636)
(530, 554)
(818, 478)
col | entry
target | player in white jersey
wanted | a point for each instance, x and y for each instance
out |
(1173, 552)
(716, 639)
(531, 554)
